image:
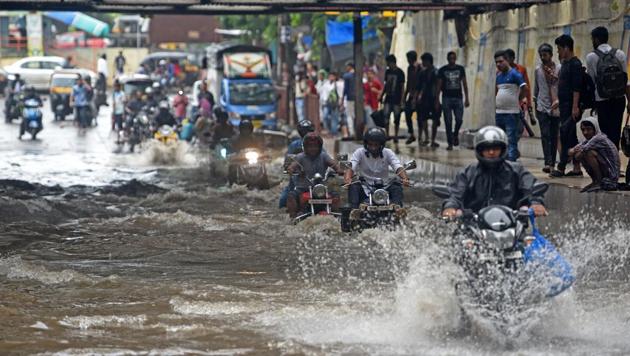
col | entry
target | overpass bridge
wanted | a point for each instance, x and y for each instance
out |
(218, 7)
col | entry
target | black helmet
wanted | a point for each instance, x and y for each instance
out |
(220, 114)
(375, 134)
(245, 127)
(490, 136)
(312, 138)
(304, 127)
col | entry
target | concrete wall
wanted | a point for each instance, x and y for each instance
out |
(522, 30)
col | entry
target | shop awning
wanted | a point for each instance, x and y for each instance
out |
(81, 21)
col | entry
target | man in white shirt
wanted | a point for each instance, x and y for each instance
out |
(610, 95)
(372, 162)
(329, 97)
(101, 65)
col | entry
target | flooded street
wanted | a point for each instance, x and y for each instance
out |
(103, 252)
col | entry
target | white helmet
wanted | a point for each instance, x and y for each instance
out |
(490, 136)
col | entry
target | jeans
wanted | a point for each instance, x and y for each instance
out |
(331, 119)
(367, 119)
(453, 106)
(510, 123)
(299, 108)
(610, 117)
(568, 137)
(388, 109)
(549, 132)
(284, 195)
(349, 106)
(356, 194)
(410, 108)
(82, 115)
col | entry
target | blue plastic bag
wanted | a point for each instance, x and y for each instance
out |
(545, 260)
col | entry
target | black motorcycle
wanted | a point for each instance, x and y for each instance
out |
(490, 246)
(136, 129)
(13, 107)
(377, 210)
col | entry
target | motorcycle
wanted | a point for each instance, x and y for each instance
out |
(248, 168)
(377, 210)
(32, 116)
(13, 107)
(318, 200)
(135, 130)
(506, 270)
(166, 135)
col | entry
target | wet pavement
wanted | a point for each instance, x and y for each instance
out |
(105, 252)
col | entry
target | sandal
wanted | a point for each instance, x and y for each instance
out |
(574, 174)
(556, 173)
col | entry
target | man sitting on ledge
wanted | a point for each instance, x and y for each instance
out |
(598, 155)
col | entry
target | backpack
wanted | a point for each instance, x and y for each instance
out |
(333, 98)
(611, 79)
(587, 92)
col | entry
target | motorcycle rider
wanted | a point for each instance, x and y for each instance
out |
(164, 116)
(372, 162)
(492, 180)
(135, 104)
(306, 164)
(246, 137)
(295, 147)
(222, 128)
(31, 94)
(15, 88)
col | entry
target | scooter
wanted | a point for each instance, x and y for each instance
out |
(32, 116)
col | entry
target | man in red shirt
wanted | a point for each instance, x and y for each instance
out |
(371, 90)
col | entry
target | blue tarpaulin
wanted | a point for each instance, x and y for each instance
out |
(338, 33)
(81, 21)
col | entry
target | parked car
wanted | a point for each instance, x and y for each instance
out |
(36, 71)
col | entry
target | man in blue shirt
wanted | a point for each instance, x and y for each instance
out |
(80, 100)
(510, 91)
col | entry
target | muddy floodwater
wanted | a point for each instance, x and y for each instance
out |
(105, 252)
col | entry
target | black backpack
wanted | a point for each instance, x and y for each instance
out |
(611, 79)
(587, 93)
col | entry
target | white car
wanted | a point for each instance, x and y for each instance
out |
(36, 71)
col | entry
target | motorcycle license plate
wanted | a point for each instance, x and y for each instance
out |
(320, 201)
(33, 124)
(379, 208)
(514, 255)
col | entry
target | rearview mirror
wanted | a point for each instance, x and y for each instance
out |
(411, 165)
(441, 191)
(539, 188)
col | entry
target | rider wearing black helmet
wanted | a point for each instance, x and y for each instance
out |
(246, 137)
(30, 94)
(308, 163)
(492, 180)
(222, 128)
(372, 162)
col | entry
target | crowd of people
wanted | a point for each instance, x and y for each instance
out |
(563, 93)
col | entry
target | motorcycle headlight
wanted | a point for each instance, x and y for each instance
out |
(224, 152)
(319, 191)
(500, 239)
(380, 197)
(252, 157)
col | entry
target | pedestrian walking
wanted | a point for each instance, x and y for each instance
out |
(570, 82)
(372, 89)
(510, 93)
(392, 95)
(348, 98)
(411, 93)
(331, 93)
(301, 88)
(120, 63)
(79, 99)
(119, 102)
(547, 104)
(428, 104)
(607, 67)
(451, 81)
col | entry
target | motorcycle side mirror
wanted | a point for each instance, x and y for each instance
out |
(411, 165)
(441, 191)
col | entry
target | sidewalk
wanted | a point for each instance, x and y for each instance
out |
(441, 165)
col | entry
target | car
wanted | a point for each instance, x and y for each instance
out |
(36, 71)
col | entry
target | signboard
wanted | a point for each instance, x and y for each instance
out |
(247, 65)
(34, 31)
